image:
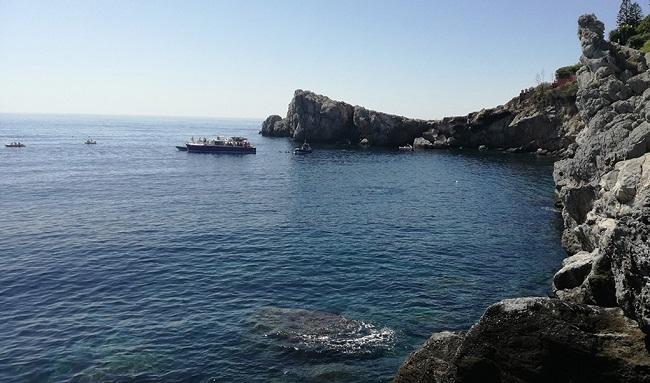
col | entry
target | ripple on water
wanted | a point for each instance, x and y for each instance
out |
(130, 261)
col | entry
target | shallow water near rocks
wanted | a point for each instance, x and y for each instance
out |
(128, 261)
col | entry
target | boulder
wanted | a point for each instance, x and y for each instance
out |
(536, 340)
(273, 127)
(433, 361)
(422, 143)
(574, 271)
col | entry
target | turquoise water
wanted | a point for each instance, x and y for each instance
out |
(128, 261)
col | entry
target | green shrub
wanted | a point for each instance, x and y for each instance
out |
(637, 41)
(622, 34)
(644, 26)
(567, 71)
(646, 47)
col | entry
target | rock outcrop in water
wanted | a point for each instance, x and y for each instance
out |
(321, 119)
(543, 118)
(321, 332)
(595, 329)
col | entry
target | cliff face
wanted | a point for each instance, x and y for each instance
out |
(542, 118)
(605, 186)
(593, 330)
(320, 119)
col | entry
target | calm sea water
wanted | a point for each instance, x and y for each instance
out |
(128, 261)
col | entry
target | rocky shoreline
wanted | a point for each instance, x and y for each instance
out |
(542, 119)
(595, 328)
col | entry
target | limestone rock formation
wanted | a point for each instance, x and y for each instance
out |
(320, 119)
(541, 118)
(604, 186)
(273, 126)
(535, 340)
(595, 330)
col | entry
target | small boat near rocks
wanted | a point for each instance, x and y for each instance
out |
(15, 145)
(304, 149)
(406, 148)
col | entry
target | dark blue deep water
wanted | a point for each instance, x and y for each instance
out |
(128, 261)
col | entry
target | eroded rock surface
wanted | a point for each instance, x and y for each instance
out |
(542, 118)
(604, 186)
(535, 340)
(595, 330)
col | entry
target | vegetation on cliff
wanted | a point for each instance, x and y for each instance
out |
(632, 29)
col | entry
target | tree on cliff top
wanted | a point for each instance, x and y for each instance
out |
(629, 13)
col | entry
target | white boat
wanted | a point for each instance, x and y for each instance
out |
(406, 148)
(15, 145)
(304, 149)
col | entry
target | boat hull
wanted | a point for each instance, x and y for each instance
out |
(218, 149)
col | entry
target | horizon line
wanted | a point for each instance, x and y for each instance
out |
(127, 115)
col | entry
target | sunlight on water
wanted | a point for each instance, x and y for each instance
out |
(131, 261)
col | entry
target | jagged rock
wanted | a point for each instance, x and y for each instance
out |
(603, 187)
(273, 127)
(574, 271)
(536, 118)
(433, 361)
(422, 143)
(536, 340)
(364, 142)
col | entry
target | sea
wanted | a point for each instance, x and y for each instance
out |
(130, 261)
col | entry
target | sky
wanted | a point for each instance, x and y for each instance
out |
(244, 58)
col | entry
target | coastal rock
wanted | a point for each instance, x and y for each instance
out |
(536, 340)
(574, 271)
(595, 330)
(604, 186)
(540, 117)
(273, 127)
(317, 118)
(433, 361)
(422, 143)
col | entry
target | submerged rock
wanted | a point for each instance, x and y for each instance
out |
(321, 332)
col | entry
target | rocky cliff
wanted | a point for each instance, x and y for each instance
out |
(320, 119)
(543, 118)
(594, 329)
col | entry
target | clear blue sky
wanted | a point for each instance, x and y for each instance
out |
(239, 58)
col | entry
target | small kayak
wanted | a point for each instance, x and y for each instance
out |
(406, 148)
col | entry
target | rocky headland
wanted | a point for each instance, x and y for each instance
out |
(595, 326)
(543, 119)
